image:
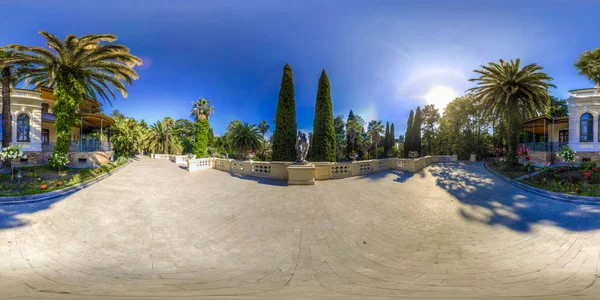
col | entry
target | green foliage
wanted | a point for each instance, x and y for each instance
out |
(201, 110)
(374, 131)
(431, 116)
(69, 93)
(201, 141)
(510, 92)
(386, 139)
(323, 142)
(408, 136)
(587, 166)
(588, 65)
(557, 108)
(392, 140)
(284, 136)
(246, 137)
(416, 131)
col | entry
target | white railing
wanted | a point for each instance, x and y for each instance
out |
(199, 164)
(160, 156)
(322, 170)
(585, 92)
(181, 159)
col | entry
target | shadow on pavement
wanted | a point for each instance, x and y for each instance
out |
(259, 180)
(494, 202)
(9, 214)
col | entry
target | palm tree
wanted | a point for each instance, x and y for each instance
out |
(588, 65)
(77, 67)
(245, 137)
(513, 93)
(201, 110)
(263, 127)
(168, 122)
(10, 61)
(156, 138)
(374, 131)
(131, 124)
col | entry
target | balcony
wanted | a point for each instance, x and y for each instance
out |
(85, 146)
(545, 147)
(21, 93)
(583, 93)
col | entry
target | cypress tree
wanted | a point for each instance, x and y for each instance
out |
(408, 134)
(284, 135)
(350, 142)
(323, 143)
(392, 138)
(416, 131)
(386, 139)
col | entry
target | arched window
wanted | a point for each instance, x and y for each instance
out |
(586, 128)
(23, 128)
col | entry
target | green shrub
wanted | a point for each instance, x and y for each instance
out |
(587, 166)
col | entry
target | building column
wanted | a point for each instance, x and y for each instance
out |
(545, 136)
(81, 134)
(101, 123)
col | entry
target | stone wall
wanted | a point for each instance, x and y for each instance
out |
(97, 158)
(33, 158)
(540, 157)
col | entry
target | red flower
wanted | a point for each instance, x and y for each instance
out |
(587, 174)
(576, 190)
(594, 169)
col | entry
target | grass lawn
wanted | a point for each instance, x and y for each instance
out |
(566, 180)
(506, 169)
(42, 179)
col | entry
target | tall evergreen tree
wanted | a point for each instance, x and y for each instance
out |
(392, 138)
(386, 139)
(416, 131)
(284, 135)
(350, 134)
(408, 135)
(323, 143)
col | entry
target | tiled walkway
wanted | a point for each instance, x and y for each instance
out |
(155, 230)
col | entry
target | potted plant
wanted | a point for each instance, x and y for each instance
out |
(353, 155)
(8, 155)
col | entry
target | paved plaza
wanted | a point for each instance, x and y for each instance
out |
(155, 230)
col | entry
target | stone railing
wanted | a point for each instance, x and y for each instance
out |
(199, 164)
(322, 170)
(160, 156)
(181, 159)
(593, 92)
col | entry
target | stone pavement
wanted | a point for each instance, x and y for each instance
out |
(155, 230)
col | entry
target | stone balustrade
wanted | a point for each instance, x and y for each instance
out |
(322, 170)
(199, 164)
(181, 159)
(160, 156)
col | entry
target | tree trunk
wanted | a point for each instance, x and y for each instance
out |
(167, 142)
(131, 147)
(6, 115)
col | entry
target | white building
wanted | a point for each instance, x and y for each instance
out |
(33, 128)
(580, 130)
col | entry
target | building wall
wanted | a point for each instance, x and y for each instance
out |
(33, 108)
(577, 107)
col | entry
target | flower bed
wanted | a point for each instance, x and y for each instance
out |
(583, 180)
(506, 169)
(42, 179)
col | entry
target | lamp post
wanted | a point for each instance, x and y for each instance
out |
(19, 176)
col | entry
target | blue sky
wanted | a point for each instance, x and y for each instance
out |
(383, 57)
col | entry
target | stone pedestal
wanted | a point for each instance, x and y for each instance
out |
(473, 157)
(301, 174)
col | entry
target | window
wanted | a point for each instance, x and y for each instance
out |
(23, 128)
